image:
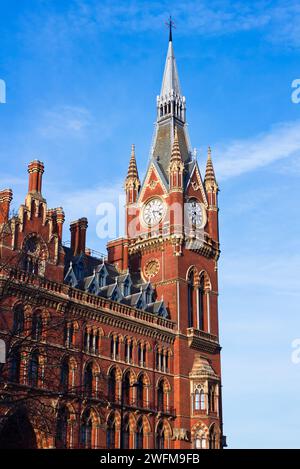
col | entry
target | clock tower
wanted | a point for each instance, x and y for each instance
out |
(172, 241)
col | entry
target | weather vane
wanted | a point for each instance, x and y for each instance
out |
(170, 24)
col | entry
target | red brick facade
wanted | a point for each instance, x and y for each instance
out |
(123, 351)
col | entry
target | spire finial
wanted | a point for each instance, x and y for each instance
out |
(170, 25)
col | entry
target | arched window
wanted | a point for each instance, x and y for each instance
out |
(191, 300)
(18, 326)
(125, 431)
(139, 436)
(126, 388)
(33, 369)
(86, 430)
(140, 354)
(201, 304)
(111, 433)
(212, 438)
(97, 342)
(160, 436)
(114, 347)
(160, 396)
(37, 326)
(200, 442)
(167, 362)
(212, 399)
(88, 379)
(128, 350)
(117, 346)
(61, 437)
(197, 399)
(157, 359)
(112, 386)
(69, 332)
(64, 375)
(202, 400)
(140, 391)
(15, 366)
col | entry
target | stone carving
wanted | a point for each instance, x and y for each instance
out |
(180, 434)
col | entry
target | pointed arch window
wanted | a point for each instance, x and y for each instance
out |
(212, 397)
(112, 382)
(140, 391)
(64, 375)
(160, 396)
(61, 438)
(37, 326)
(160, 436)
(15, 366)
(191, 299)
(126, 389)
(126, 433)
(86, 430)
(139, 436)
(200, 442)
(33, 369)
(128, 350)
(18, 326)
(111, 433)
(88, 379)
(201, 304)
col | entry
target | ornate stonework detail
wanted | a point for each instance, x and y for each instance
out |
(152, 184)
(195, 186)
(151, 268)
(180, 434)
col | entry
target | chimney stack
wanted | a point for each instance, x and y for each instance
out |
(35, 170)
(78, 235)
(60, 218)
(6, 197)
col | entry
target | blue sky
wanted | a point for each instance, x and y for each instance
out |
(82, 78)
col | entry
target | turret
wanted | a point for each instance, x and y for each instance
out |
(132, 182)
(212, 189)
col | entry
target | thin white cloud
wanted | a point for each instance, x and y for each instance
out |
(277, 21)
(64, 120)
(241, 156)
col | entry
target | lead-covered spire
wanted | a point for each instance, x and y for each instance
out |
(170, 102)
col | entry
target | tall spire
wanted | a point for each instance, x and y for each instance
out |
(170, 84)
(171, 114)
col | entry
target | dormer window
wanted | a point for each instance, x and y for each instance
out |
(102, 279)
(148, 296)
(126, 288)
(115, 296)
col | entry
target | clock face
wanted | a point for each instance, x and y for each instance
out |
(195, 213)
(153, 211)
